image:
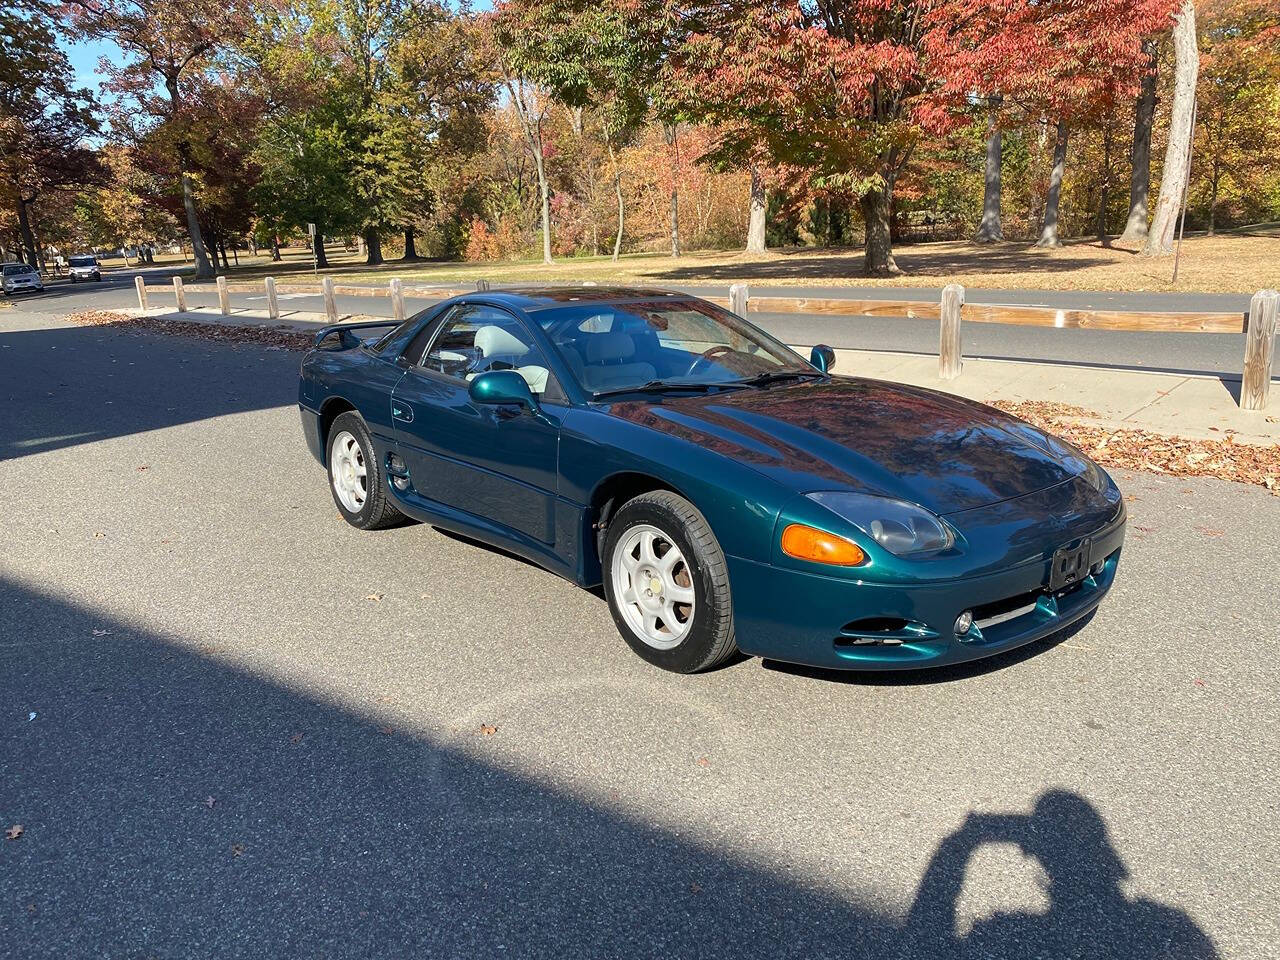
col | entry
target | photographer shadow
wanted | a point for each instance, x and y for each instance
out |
(1089, 914)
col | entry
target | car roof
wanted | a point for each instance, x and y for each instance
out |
(540, 298)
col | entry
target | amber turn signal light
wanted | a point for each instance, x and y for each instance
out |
(809, 543)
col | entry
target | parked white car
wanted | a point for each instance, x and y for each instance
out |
(19, 277)
(85, 268)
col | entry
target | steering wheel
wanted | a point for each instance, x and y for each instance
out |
(704, 359)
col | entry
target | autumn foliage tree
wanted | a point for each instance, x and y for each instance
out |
(168, 42)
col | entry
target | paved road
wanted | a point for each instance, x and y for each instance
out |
(218, 744)
(1199, 353)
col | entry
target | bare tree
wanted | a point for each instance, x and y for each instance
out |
(531, 110)
(1177, 157)
(1049, 229)
(1135, 228)
(990, 230)
(759, 204)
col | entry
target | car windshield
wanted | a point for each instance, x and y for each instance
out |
(663, 344)
(83, 262)
(16, 269)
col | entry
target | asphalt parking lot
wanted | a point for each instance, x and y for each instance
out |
(234, 726)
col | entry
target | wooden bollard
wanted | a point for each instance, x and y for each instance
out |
(397, 300)
(141, 287)
(330, 304)
(273, 305)
(482, 286)
(1259, 345)
(738, 295)
(179, 295)
(949, 358)
(224, 298)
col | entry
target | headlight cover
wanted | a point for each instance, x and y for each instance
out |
(902, 528)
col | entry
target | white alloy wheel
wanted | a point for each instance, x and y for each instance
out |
(653, 586)
(348, 471)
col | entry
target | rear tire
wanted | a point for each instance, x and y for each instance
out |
(667, 583)
(356, 478)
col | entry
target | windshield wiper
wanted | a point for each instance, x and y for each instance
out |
(775, 376)
(654, 386)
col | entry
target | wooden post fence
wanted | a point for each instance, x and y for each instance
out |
(224, 298)
(738, 295)
(1259, 345)
(141, 287)
(179, 295)
(330, 305)
(949, 355)
(397, 300)
(273, 305)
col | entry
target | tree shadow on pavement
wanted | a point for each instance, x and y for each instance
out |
(175, 804)
(928, 260)
(81, 384)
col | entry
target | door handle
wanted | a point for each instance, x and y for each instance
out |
(401, 411)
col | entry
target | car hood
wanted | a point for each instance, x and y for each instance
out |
(942, 452)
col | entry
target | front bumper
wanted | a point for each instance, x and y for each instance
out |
(21, 286)
(821, 621)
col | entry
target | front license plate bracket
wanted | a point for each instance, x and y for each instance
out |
(1070, 565)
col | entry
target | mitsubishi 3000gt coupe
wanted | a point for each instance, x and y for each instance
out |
(728, 494)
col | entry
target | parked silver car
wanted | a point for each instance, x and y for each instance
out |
(84, 268)
(19, 277)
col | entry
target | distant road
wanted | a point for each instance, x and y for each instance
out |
(1192, 353)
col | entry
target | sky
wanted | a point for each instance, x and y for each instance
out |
(84, 56)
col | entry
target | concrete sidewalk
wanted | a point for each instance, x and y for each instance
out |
(1198, 407)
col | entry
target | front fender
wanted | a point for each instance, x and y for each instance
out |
(740, 504)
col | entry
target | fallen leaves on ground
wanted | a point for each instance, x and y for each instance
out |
(210, 802)
(488, 729)
(237, 849)
(282, 337)
(375, 597)
(14, 832)
(296, 738)
(1154, 452)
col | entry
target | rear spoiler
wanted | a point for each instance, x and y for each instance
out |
(347, 339)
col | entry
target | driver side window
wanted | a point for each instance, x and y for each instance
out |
(477, 339)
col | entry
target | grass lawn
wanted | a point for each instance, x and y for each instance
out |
(1239, 262)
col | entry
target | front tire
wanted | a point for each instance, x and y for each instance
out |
(667, 583)
(356, 479)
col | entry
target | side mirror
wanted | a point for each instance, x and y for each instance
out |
(823, 357)
(502, 386)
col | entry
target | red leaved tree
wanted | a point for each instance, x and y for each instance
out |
(846, 88)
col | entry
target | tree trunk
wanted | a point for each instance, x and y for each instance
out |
(669, 132)
(1049, 229)
(222, 246)
(204, 269)
(877, 212)
(1213, 196)
(617, 189)
(758, 205)
(317, 248)
(372, 247)
(1135, 227)
(1176, 170)
(275, 250)
(1104, 188)
(24, 228)
(253, 245)
(544, 191)
(990, 230)
(410, 246)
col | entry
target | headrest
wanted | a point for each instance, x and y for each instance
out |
(607, 347)
(494, 341)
